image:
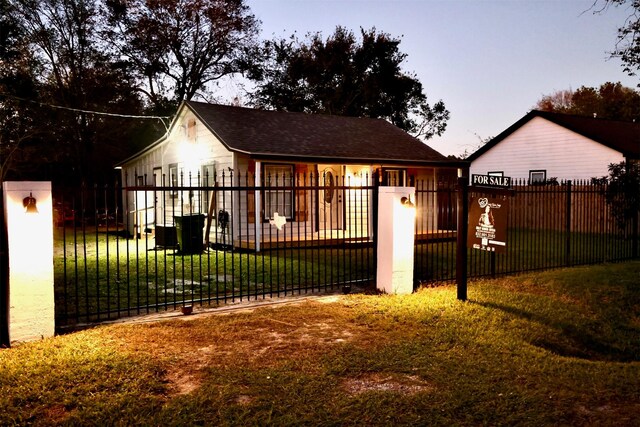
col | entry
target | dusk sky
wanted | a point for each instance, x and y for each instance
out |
(489, 61)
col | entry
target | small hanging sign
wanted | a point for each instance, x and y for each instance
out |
(490, 181)
(487, 229)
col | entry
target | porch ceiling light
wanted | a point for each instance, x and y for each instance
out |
(29, 204)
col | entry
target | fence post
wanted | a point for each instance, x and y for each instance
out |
(567, 245)
(28, 210)
(461, 242)
(634, 243)
(396, 232)
(4, 279)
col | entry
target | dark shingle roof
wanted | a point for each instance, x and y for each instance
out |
(282, 134)
(618, 135)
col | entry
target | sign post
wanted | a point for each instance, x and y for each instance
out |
(461, 243)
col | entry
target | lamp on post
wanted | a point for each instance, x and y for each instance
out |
(29, 204)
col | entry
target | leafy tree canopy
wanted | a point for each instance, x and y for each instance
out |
(63, 60)
(56, 60)
(623, 191)
(609, 101)
(345, 75)
(175, 49)
(627, 46)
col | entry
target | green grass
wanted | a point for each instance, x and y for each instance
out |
(110, 275)
(527, 250)
(551, 348)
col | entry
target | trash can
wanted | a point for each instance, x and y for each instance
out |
(189, 232)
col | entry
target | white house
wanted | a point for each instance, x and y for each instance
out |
(207, 142)
(544, 145)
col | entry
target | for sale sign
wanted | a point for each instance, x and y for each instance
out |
(488, 223)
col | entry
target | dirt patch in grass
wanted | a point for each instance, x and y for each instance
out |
(264, 337)
(56, 413)
(623, 414)
(404, 384)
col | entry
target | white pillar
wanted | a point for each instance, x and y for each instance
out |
(30, 238)
(396, 228)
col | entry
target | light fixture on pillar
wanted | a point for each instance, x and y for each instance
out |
(29, 204)
(406, 201)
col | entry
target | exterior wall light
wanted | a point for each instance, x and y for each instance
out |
(29, 204)
(406, 201)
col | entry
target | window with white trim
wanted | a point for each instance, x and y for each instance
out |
(173, 179)
(537, 176)
(279, 197)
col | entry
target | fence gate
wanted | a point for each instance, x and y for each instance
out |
(136, 250)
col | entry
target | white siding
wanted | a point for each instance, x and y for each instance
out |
(189, 153)
(542, 145)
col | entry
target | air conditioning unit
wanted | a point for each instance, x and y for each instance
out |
(166, 236)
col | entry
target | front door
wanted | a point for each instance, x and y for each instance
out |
(330, 197)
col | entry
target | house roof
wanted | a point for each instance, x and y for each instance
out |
(279, 135)
(263, 133)
(617, 135)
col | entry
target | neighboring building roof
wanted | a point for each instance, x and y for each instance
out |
(618, 135)
(275, 134)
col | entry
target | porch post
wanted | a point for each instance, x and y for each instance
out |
(257, 203)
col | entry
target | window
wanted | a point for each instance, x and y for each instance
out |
(280, 198)
(207, 179)
(537, 176)
(173, 179)
(191, 129)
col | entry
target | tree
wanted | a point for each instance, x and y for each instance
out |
(62, 59)
(627, 46)
(345, 76)
(609, 101)
(16, 80)
(177, 48)
(623, 191)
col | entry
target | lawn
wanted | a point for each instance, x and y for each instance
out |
(102, 276)
(549, 348)
(105, 276)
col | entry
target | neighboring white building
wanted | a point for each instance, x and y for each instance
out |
(544, 145)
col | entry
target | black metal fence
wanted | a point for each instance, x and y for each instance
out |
(136, 250)
(549, 226)
(558, 225)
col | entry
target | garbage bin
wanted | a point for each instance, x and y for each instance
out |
(189, 232)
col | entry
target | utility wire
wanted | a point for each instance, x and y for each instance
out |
(99, 113)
